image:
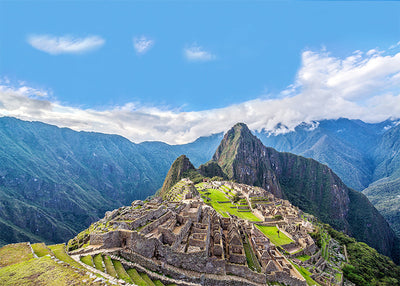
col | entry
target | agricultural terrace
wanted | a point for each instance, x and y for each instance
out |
(221, 200)
(272, 233)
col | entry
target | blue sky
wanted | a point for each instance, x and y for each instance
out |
(195, 58)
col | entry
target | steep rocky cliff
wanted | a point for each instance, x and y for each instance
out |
(312, 186)
(178, 170)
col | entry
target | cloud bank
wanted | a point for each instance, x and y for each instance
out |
(54, 45)
(364, 85)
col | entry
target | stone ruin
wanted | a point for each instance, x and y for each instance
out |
(191, 237)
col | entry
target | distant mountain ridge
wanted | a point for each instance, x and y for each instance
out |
(364, 155)
(55, 181)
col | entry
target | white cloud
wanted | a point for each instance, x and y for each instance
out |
(65, 44)
(360, 86)
(142, 44)
(197, 53)
(394, 46)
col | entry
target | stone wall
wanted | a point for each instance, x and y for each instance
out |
(285, 278)
(148, 228)
(245, 272)
(149, 215)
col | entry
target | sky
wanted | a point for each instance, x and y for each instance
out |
(173, 71)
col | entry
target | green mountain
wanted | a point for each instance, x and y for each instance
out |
(306, 183)
(179, 169)
(364, 155)
(54, 181)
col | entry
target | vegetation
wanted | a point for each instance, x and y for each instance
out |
(277, 238)
(178, 170)
(121, 271)
(41, 249)
(303, 257)
(87, 260)
(109, 266)
(222, 204)
(136, 278)
(14, 253)
(42, 271)
(366, 266)
(147, 279)
(59, 252)
(98, 262)
(306, 274)
(251, 258)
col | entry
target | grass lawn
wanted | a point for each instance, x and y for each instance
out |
(41, 249)
(87, 260)
(98, 262)
(158, 283)
(303, 257)
(14, 253)
(250, 257)
(306, 274)
(42, 271)
(110, 266)
(137, 279)
(59, 252)
(272, 233)
(121, 271)
(224, 208)
(147, 279)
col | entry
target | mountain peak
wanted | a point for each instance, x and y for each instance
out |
(178, 169)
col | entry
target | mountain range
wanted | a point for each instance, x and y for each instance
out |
(366, 156)
(55, 181)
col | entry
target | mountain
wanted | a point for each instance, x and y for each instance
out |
(384, 192)
(364, 155)
(306, 183)
(55, 181)
(178, 170)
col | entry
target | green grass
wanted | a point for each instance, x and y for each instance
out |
(305, 273)
(303, 257)
(87, 260)
(59, 252)
(224, 208)
(41, 249)
(272, 233)
(338, 277)
(121, 271)
(137, 279)
(110, 266)
(147, 279)
(252, 261)
(14, 253)
(42, 271)
(158, 283)
(97, 260)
